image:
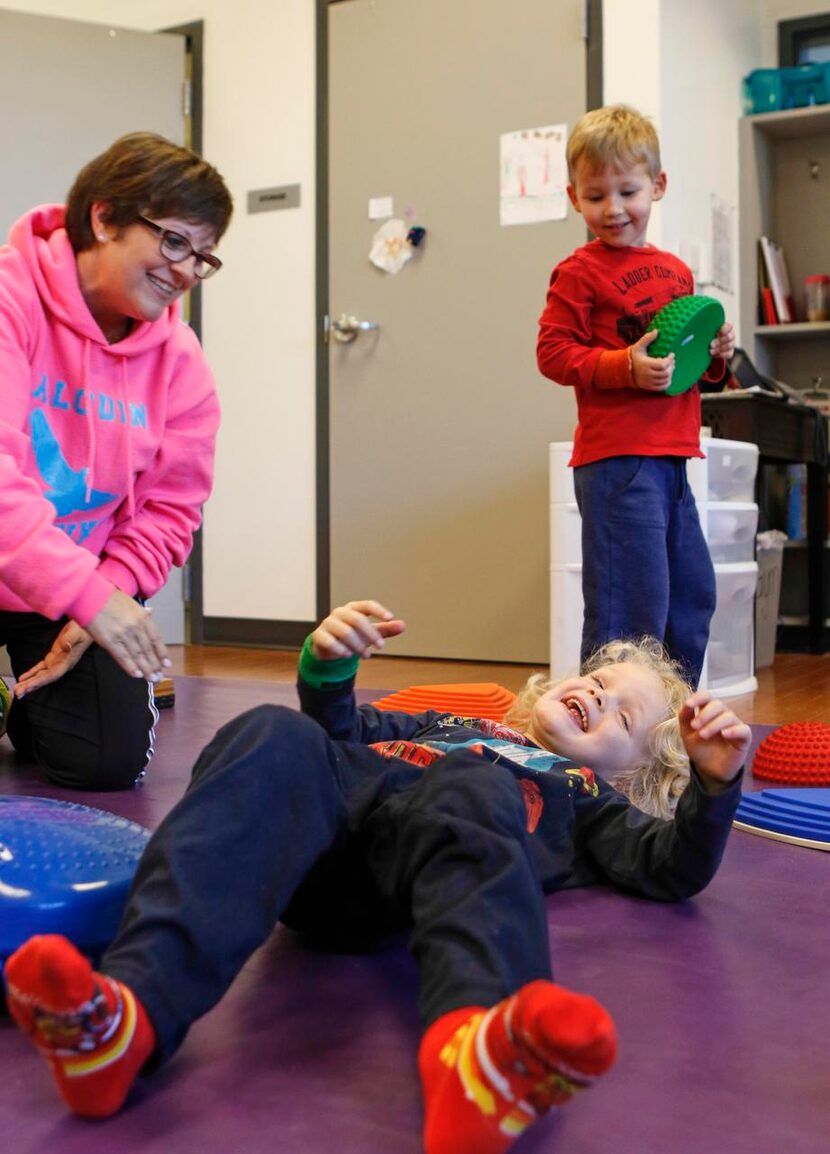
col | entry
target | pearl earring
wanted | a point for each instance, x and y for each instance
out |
(102, 236)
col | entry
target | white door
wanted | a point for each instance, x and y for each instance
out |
(68, 89)
(440, 421)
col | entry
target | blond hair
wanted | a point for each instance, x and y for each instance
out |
(616, 135)
(655, 784)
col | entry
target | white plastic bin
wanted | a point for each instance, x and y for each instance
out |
(731, 470)
(730, 657)
(724, 484)
(770, 556)
(731, 529)
(561, 474)
(566, 609)
(565, 535)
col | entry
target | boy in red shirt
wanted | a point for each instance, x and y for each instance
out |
(646, 565)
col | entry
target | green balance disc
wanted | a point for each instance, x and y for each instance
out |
(687, 327)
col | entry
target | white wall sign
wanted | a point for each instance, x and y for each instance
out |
(381, 207)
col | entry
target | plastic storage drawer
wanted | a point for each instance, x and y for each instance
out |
(731, 470)
(561, 474)
(731, 653)
(566, 607)
(731, 529)
(565, 535)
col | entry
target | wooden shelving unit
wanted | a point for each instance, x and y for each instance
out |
(784, 193)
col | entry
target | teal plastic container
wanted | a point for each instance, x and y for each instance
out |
(776, 89)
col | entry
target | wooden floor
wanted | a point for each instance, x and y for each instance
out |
(795, 688)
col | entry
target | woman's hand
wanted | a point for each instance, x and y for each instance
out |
(123, 628)
(354, 630)
(68, 648)
(128, 633)
(716, 740)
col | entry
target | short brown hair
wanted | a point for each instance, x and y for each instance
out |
(614, 135)
(143, 174)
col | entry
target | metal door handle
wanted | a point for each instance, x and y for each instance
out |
(347, 328)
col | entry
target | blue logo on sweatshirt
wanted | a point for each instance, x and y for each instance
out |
(66, 487)
(100, 405)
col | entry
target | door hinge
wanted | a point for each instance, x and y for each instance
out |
(187, 98)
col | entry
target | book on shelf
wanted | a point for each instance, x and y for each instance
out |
(768, 313)
(766, 304)
(773, 269)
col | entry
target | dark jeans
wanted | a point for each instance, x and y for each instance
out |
(646, 567)
(94, 728)
(280, 822)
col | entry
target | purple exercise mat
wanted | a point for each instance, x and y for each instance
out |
(720, 1002)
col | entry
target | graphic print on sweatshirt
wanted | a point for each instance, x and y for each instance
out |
(632, 326)
(519, 757)
(647, 285)
(521, 754)
(66, 487)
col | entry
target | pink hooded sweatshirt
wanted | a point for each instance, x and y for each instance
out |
(106, 451)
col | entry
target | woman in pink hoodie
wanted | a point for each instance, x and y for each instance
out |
(107, 434)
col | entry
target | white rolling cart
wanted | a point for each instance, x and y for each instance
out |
(724, 487)
(565, 564)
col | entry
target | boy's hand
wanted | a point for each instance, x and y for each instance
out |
(724, 343)
(715, 739)
(653, 374)
(350, 631)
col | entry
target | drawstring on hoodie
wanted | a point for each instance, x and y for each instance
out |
(90, 422)
(129, 441)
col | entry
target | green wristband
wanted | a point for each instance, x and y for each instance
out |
(320, 674)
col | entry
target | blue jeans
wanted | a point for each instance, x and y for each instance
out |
(281, 822)
(646, 567)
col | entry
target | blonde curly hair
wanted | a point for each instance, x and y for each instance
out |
(656, 784)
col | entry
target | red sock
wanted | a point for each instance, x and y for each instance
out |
(488, 1074)
(91, 1029)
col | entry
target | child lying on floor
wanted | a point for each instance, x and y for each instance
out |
(345, 819)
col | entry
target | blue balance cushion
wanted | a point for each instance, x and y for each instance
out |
(64, 869)
(801, 816)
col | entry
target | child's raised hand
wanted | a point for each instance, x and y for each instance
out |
(653, 374)
(716, 740)
(354, 630)
(724, 343)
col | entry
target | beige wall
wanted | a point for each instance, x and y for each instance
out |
(681, 62)
(670, 65)
(774, 10)
(259, 538)
(630, 72)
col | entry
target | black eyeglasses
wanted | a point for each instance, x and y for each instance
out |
(176, 248)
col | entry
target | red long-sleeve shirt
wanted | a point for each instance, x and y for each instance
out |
(600, 301)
